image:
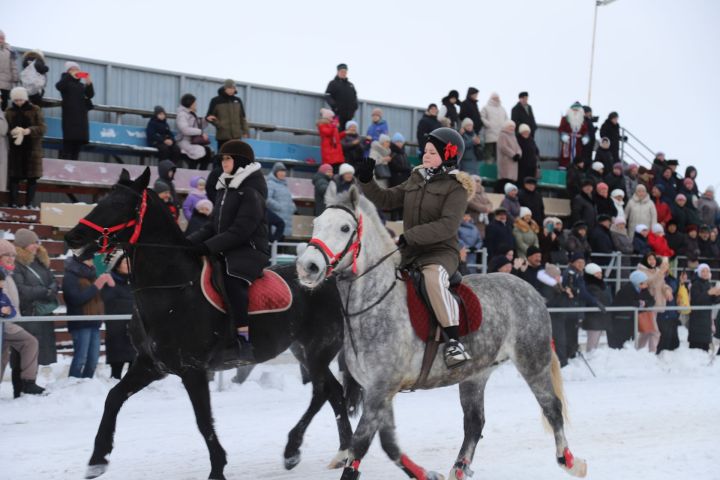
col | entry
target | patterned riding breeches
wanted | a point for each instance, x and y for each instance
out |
(437, 282)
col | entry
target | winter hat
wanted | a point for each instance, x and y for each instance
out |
(509, 187)
(592, 268)
(25, 237)
(603, 218)
(351, 123)
(70, 64)
(327, 113)
(472, 91)
(658, 229)
(114, 259)
(532, 180)
(632, 167)
(598, 166)
(454, 94)
(158, 109)
(86, 255)
(6, 248)
(342, 66)
(241, 152)
(18, 93)
(498, 262)
(680, 196)
(161, 187)
(575, 256)
(201, 182)
(601, 186)
(398, 137)
(613, 115)
(377, 111)
(525, 211)
(229, 83)
(187, 100)
(605, 141)
(637, 277)
(580, 225)
(277, 167)
(325, 168)
(552, 270)
(524, 127)
(617, 193)
(640, 227)
(532, 250)
(346, 168)
(522, 94)
(710, 189)
(702, 266)
(204, 203)
(383, 138)
(617, 165)
(467, 121)
(619, 221)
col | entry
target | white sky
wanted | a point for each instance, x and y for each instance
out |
(656, 61)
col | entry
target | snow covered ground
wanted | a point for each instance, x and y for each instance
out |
(643, 417)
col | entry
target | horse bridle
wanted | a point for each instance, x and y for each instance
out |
(353, 244)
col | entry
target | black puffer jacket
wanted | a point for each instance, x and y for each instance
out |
(238, 230)
(469, 109)
(342, 97)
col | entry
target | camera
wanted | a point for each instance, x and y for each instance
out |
(595, 118)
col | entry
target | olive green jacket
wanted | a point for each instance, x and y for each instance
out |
(432, 212)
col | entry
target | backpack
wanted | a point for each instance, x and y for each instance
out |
(33, 81)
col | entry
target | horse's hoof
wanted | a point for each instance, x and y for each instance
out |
(94, 471)
(292, 461)
(578, 469)
(339, 460)
(434, 476)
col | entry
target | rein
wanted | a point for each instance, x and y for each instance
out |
(105, 232)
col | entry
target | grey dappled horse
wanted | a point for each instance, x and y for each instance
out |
(384, 354)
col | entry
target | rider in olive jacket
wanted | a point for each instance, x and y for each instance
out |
(434, 200)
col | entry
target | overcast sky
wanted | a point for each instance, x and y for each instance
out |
(656, 61)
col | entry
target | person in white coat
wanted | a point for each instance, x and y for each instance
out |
(493, 116)
(3, 152)
(191, 139)
(640, 209)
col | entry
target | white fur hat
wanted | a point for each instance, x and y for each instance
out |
(509, 187)
(598, 166)
(617, 193)
(640, 227)
(346, 168)
(524, 127)
(70, 64)
(18, 93)
(524, 212)
(657, 228)
(592, 268)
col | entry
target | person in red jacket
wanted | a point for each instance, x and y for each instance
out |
(658, 242)
(330, 148)
(664, 214)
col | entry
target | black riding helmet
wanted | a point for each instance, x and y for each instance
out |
(449, 144)
(241, 152)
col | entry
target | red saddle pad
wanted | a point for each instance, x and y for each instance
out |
(470, 311)
(268, 294)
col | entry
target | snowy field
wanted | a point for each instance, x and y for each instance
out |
(643, 417)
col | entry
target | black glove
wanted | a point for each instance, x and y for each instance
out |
(516, 157)
(401, 241)
(200, 249)
(601, 307)
(364, 169)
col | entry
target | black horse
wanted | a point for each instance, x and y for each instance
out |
(175, 330)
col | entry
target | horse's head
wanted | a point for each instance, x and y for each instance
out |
(336, 238)
(113, 219)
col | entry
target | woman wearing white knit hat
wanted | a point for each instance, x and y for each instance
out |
(596, 322)
(525, 231)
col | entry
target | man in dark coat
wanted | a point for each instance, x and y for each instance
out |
(427, 124)
(227, 113)
(532, 266)
(76, 103)
(582, 205)
(238, 231)
(522, 112)
(529, 197)
(632, 294)
(591, 131)
(601, 239)
(573, 279)
(611, 129)
(498, 234)
(676, 239)
(340, 94)
(469, 109)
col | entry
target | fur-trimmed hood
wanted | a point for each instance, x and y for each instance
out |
(462, 178)
(26, 258)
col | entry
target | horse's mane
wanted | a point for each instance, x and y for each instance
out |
(369, 211)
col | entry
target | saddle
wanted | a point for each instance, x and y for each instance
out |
(268, 294)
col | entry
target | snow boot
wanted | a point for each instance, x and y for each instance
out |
(32, 388)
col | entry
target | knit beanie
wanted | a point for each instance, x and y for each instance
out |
(592, 268)
(658, 229)
(346, 168)
(617, 193)
(204, 203)
(383, 138)
(70, 64)
(351, 123)
(25, 237)
(598, 166)
(398, 137)
(509, 187)
(159, 109)
(6, 248)
(524, 127)
(325, 168)
(327, 114)
(640, 227)
(161, 187)
(637, 277)
(524, 212)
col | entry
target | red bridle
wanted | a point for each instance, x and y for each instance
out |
(332, 259)
(104, 240)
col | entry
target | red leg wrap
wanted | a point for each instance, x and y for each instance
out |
(413, 470)
(569, 459)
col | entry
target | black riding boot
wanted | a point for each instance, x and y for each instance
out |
(238, 295)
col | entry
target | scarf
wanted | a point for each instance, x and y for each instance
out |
(234, 180)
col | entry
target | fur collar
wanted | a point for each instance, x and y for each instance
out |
(546, 279)
(235, 180)
(26, 258)
(525, 227)
(463, 178)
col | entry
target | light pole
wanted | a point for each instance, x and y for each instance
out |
(598, 3)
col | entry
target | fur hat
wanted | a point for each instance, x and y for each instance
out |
(467, 121)
(383, 138)
(640, 227)
(327, 113)
(18, 93)
(204, 203)
(398, 137)
(658, 229)
(351, 123)
(70, 64)
(637, 277)
(524, 127)
(592, 268)
(598, 166)
(6, 248)
(524, 212)
(618, 192)
(241, 152)
(346, 168)
(25, 237)
(509, 187)
(552, 270)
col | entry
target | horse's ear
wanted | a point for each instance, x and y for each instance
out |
(124, 176)
(142, 182)
(354, 196)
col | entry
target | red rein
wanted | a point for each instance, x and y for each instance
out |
(107, 231)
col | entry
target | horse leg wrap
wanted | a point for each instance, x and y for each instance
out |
(351, 472)
(574, 466)
(411, 469)
(461, 470)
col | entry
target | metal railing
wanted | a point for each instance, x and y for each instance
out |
(641, 151)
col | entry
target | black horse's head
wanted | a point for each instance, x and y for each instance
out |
(113, 219)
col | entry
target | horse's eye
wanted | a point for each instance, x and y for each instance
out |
(345, 228)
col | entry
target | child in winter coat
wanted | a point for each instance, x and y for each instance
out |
(658, 243)
(378, 126)
(469, 237)
(200, 217)
(353, 145)
(197, 193)
(330, 148)
(163, 191)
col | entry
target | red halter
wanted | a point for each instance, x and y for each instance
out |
(104, 240)
(332, 259)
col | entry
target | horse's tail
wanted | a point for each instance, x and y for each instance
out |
(353, 394)
(558, 388)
